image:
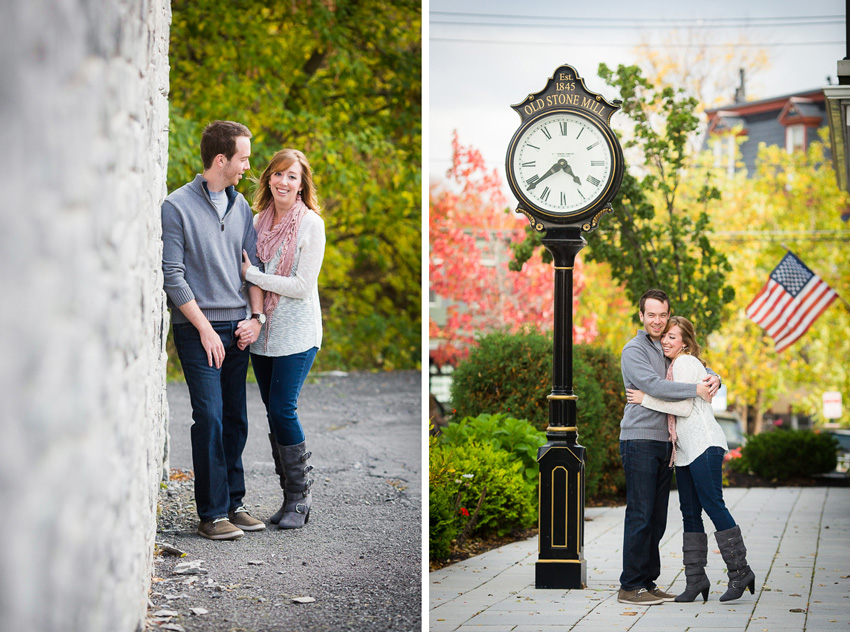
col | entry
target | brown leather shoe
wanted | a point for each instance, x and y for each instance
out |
(245, 521)
(639, 597)
(657, 592)
(219, 529)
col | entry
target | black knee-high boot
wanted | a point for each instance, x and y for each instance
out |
(741, 576)
(296, 507)
(278, 469)
(695, 556)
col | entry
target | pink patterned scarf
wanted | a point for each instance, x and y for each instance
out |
(269, 239)
(671, 420)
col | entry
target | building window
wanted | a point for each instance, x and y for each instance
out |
(795, 138)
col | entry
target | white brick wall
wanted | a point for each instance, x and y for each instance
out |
(83, 123)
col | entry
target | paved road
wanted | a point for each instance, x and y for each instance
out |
(360, 554)
(799, 547)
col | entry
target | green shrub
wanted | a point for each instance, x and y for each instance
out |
(509, 503)
(517, 436)
(507, 373)
(512, 373)
(598, 383)
(784, 454)
(443, 523)
(458, 474)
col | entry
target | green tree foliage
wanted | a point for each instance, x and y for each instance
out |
(340, 80)
(658, 233)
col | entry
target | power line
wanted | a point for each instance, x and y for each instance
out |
(731, 20)
(607, 44)
(605, 27)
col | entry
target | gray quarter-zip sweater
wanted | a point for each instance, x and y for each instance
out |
(202, 253)
(644, 367)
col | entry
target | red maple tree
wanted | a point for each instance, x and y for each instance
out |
(470, 232)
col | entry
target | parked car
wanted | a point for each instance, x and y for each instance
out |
(843, 438)
(732, 427)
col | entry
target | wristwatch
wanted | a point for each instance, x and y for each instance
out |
(261, 317)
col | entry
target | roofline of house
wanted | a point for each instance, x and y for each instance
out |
(765, 105)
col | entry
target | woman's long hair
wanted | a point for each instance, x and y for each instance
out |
(689, 336)
(281, 161)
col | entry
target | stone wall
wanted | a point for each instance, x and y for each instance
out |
(83, 120)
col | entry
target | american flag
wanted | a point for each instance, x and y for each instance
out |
(790, 301)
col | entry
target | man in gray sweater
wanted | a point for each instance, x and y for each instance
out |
(206, 225)
(645, 450)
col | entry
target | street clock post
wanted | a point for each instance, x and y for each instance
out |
(564, 165)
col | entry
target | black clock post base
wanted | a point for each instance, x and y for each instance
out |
(563, 574)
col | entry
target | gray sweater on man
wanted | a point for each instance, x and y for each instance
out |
(644, 368)
(202, 253)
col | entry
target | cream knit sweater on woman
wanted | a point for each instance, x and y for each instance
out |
(296, 323)
(696, 427)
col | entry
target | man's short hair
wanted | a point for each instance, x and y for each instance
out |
(658, 295)
(219, 137)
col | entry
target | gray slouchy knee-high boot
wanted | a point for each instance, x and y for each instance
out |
(695, 556)
(741, 576)
(278, 469)
(297, 498)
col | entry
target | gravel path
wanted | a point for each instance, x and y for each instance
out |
(359, 557)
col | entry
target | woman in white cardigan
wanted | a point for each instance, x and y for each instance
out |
(291, 245)
(699, 448)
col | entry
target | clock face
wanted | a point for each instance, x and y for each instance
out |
(561, 163)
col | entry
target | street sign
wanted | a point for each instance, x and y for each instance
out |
(832, 405)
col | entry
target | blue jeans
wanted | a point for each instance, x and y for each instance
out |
(648, 476)
(220, 417)
(280, 380)
(701, 487)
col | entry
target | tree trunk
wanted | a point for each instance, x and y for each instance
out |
(759, 411)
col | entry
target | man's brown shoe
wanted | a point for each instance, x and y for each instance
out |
(219, 529)
(245, 521)
(639, 597)
(664, 596)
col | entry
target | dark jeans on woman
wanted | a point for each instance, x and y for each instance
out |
(700, 485)
(220, 416)
(648, 475)
(280, 380)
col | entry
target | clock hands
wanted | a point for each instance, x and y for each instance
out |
(566, 167)
(553, 169)
(561, 165)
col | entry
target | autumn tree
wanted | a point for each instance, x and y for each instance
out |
(791, 200)
(340, 80)
(690, 59)
(658, 235)
(471, 231)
